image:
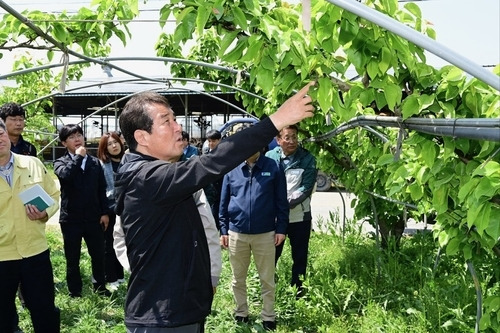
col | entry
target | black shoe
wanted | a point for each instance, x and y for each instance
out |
(241, 319)
(75, 295)
(269, 325)
(300, 293)
(102, 291)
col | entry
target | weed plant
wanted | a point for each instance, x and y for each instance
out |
(351, 286)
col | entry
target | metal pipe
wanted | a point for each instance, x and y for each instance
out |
(471, 128)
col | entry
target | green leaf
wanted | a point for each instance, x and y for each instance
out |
(467, 188)
(227, 41)
(443, 238)
(414, 9)
(372, 69)
(410, 106)
(385, 60)
(493, 228)
(467, 250)
(50, 55)
(267, 62)
(325, 93)
(440, 199)
(455, 74)
(239, 17)
(339, 107)
(452, 247)
(60, 33)
(202, 18)
(486, 188)
(491, 168)
(428, 153)
(348, 31)
(236, 52)
(265, 80)
(416, 191)
(254, 47)
(393, 94)
(426, 101)
(385, 159)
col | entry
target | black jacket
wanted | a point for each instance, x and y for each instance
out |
(83, 193)
(170, 282)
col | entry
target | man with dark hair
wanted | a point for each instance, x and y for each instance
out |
(188, 149)
(170, 288)
(300, 171)
(24, 252)
(213, 138)
(253, 221)
(14, 117)
(84, 209)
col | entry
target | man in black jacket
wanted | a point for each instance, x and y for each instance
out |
(14, 117)
(170, 285)
(84, 209)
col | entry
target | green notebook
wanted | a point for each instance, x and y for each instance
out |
(37, 196)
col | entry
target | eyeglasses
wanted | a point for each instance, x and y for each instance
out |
(292, 138)
(75, 136)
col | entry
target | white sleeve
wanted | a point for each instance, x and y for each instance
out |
(212, 235)
(119, 244)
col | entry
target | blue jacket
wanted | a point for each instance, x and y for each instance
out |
(254, 201)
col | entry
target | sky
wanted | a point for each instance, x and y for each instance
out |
(469, 27)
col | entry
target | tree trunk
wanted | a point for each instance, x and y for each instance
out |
(391, 233)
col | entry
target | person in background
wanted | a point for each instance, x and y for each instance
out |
(253, 221)
(14, 117)
(188, 149)
(213, 138)
(84, 209)
(300, 172)
(212, 191)
(24, 252)
(109, 153)
(170, 289)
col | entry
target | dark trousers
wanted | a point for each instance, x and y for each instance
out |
(94, 238)
(37, 285)
(112, 266)
(298, 233)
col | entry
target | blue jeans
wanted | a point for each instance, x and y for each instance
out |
(298, 233)
(37, 286)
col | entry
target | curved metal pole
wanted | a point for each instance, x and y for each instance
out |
(477, 286)
(126, 97)
(106, 61)
(103, 83)
(419, 39)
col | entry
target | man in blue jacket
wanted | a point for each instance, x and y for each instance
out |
(170, 287)
(253, 221)
(300, 172)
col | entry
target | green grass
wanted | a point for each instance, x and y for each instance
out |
(352, 286)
